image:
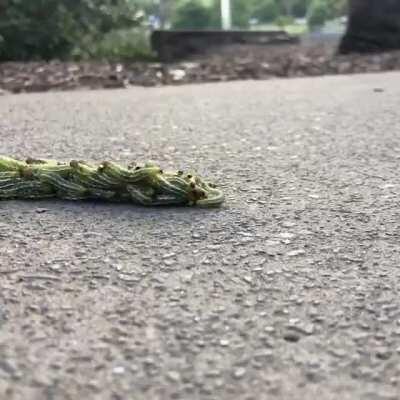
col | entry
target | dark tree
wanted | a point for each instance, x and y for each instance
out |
(374, 25)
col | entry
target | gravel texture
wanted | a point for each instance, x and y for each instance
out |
(289, 291)
(229, 63)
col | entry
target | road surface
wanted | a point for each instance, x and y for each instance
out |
(289, 291)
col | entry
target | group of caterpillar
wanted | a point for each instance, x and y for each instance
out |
(145, 185)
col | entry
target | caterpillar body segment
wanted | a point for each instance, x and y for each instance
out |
(87, 176)
(26, 189)
(135, 175)
(10, 183)
(214, 199)
(169, 188)
(59, 183)
(9, 175)
(139, 196)
(61, 170)
(77, 180)
(9, 164)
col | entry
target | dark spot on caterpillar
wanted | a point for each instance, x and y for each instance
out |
(31, 160)
(26, 173)
(131, 165)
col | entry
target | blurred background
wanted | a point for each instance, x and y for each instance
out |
(120, 29)
(65, 44)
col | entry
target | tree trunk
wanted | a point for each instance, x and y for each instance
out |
(164, 13)
(374, 25)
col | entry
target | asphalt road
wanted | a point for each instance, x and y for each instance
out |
(289, 291)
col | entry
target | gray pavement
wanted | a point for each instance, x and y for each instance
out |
(290, 291)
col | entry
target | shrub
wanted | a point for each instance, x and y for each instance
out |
(318, 14)
(284, 20)
(45, 29)
(117, 45)
(193, 14)
(267, 11)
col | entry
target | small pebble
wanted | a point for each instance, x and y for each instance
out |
(174, 376)
(224, 342)
(295, 253)
(239, 373)
(118, 370)
(291, 337)
(41, 210)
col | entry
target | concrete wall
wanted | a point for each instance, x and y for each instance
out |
(173, 45)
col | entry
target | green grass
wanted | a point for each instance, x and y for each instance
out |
(292, 29)
(296, 29)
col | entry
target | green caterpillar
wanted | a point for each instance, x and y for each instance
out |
(146, 185)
